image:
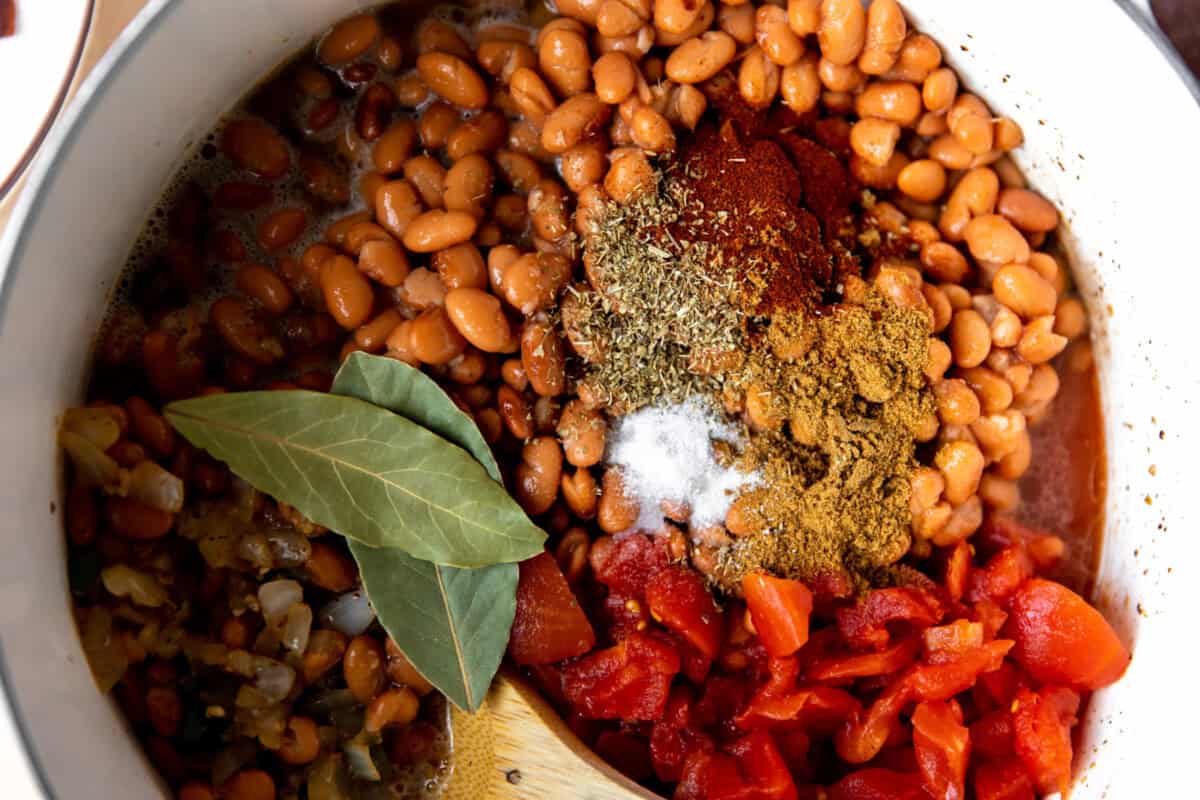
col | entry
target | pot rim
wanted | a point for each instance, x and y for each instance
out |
(70, 121)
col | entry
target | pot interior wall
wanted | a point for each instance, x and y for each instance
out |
(1113, 162)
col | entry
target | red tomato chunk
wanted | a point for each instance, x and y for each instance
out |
(549, 625)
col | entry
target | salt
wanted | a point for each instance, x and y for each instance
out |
(666, 454)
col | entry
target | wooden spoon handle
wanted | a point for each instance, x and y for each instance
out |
(518, 748)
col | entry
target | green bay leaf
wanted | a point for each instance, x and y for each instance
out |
(452, 624)
(363, 471)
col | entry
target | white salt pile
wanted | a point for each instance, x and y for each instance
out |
(666, 454)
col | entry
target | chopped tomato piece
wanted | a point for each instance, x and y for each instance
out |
(680, 600)
(992, 734)
(1042, 736)
(760, 761)
(820, 708)
(1001, 577)
(628, 753)
(943, 681)
(1063, 640)
(943, 745)
(724, 697)
(694, 664)
(958, 568)
(954, 640)
(674, 737)
(864, 734)
(878, 784)
(619, 616)
(1003, 780)
(624, 564)
(549, 624)
(780, 608)
(846, 668)
(629, 681)
(753, 769)
(991, 616)
(864, 624)
(996, 689)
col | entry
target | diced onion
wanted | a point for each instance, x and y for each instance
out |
(276, 597)
(154, 486)
(351, 613)
(232, 759)
(288, 548)
(93, 466)
(327, 780)
(358, 758)
(297, 627)
(98, 425)
(124, 581)
(275, 681)
(105, 653)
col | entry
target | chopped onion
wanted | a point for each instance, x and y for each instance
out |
(276, 597)
(297, 627)
(254, 548)
(351, 613)
(105, 653)
(326, 702)
(98, 425)
(358, 758)
(288, 548)
(93, 466)
(154, 486)
(275, 681)
(124, 581)
(327, 780)
(232, 759)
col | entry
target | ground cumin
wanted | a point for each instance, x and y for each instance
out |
(846, 397)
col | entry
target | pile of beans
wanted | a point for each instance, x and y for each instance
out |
(426, 196)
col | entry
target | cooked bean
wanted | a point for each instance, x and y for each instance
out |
(348, 40)
(804, 16)
(800, 85)
(957, 403)
(530, 283)
(977, 191)
(676, 16)
(776, 39)
(972, 131)
(383, 261)
(842, 30)
(1023, 290)
(543, 358)
(426, 175)
(397, 706)
(1039, 343)
(479, 318)
(468, 186)
(615, 77)
(579, 492)
(362, 233)
(531, 95)
(362, 667)
(885, 34)
(250, 784)
(461, 267)
(374, 108)
(651, 131)
(616, 511)
(372, 336)
(1006, 328)
(502, 58)
(482, 133)
(514, 411)
(576, 119)
(264, 286)
(738, 21)
(401, 670)
(301, 744)
(703, 22)
(1007, 134)
(939, 89)
(537, 476)
(243, 332)
(947, 151)
(758, 78)
(564, 60)
(961, 464)
(584, 164)
(1027, 210)
(394, 147)
(993, 238)
(453, 78)
(970, 338)
(874, 140)
(583, 434)
(698, 59)
(897, 101)
(585, 10)
(436, 230)
(434, 338)
(547, 204)
(923, 180)
(512, 372)
(348, 294)
(995, 394)
(255, 146)
(1070, 318)
(629, 175)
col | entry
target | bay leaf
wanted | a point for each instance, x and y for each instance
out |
(452, 624)
(363, 471)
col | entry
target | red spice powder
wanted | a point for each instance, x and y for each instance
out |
(773, 206)
(8, 17)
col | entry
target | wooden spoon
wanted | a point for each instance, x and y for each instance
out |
(517, 746)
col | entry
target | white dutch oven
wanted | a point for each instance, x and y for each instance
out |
(1113, 130)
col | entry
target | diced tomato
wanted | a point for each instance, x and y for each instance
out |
(629, 681)
(723, 699)
(958, 567)
(942, 745)
(991, 616)
(1003, 780)
(865, 733)
(951, 641)
(1001, 577)
(628, 753)
(549, 624)
(1063, 640)
(624, 564)
(846, 668)
(674, 737)
(680, 600)
(875, 783)
(820, 708)
(550, 680)
(943, 681)
(794, 746)
(694, 664)
(996, 689)
(992, 734)
(753, 769)
(780, 608)
(864, 624)
(1042, 737)
(619, 616)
